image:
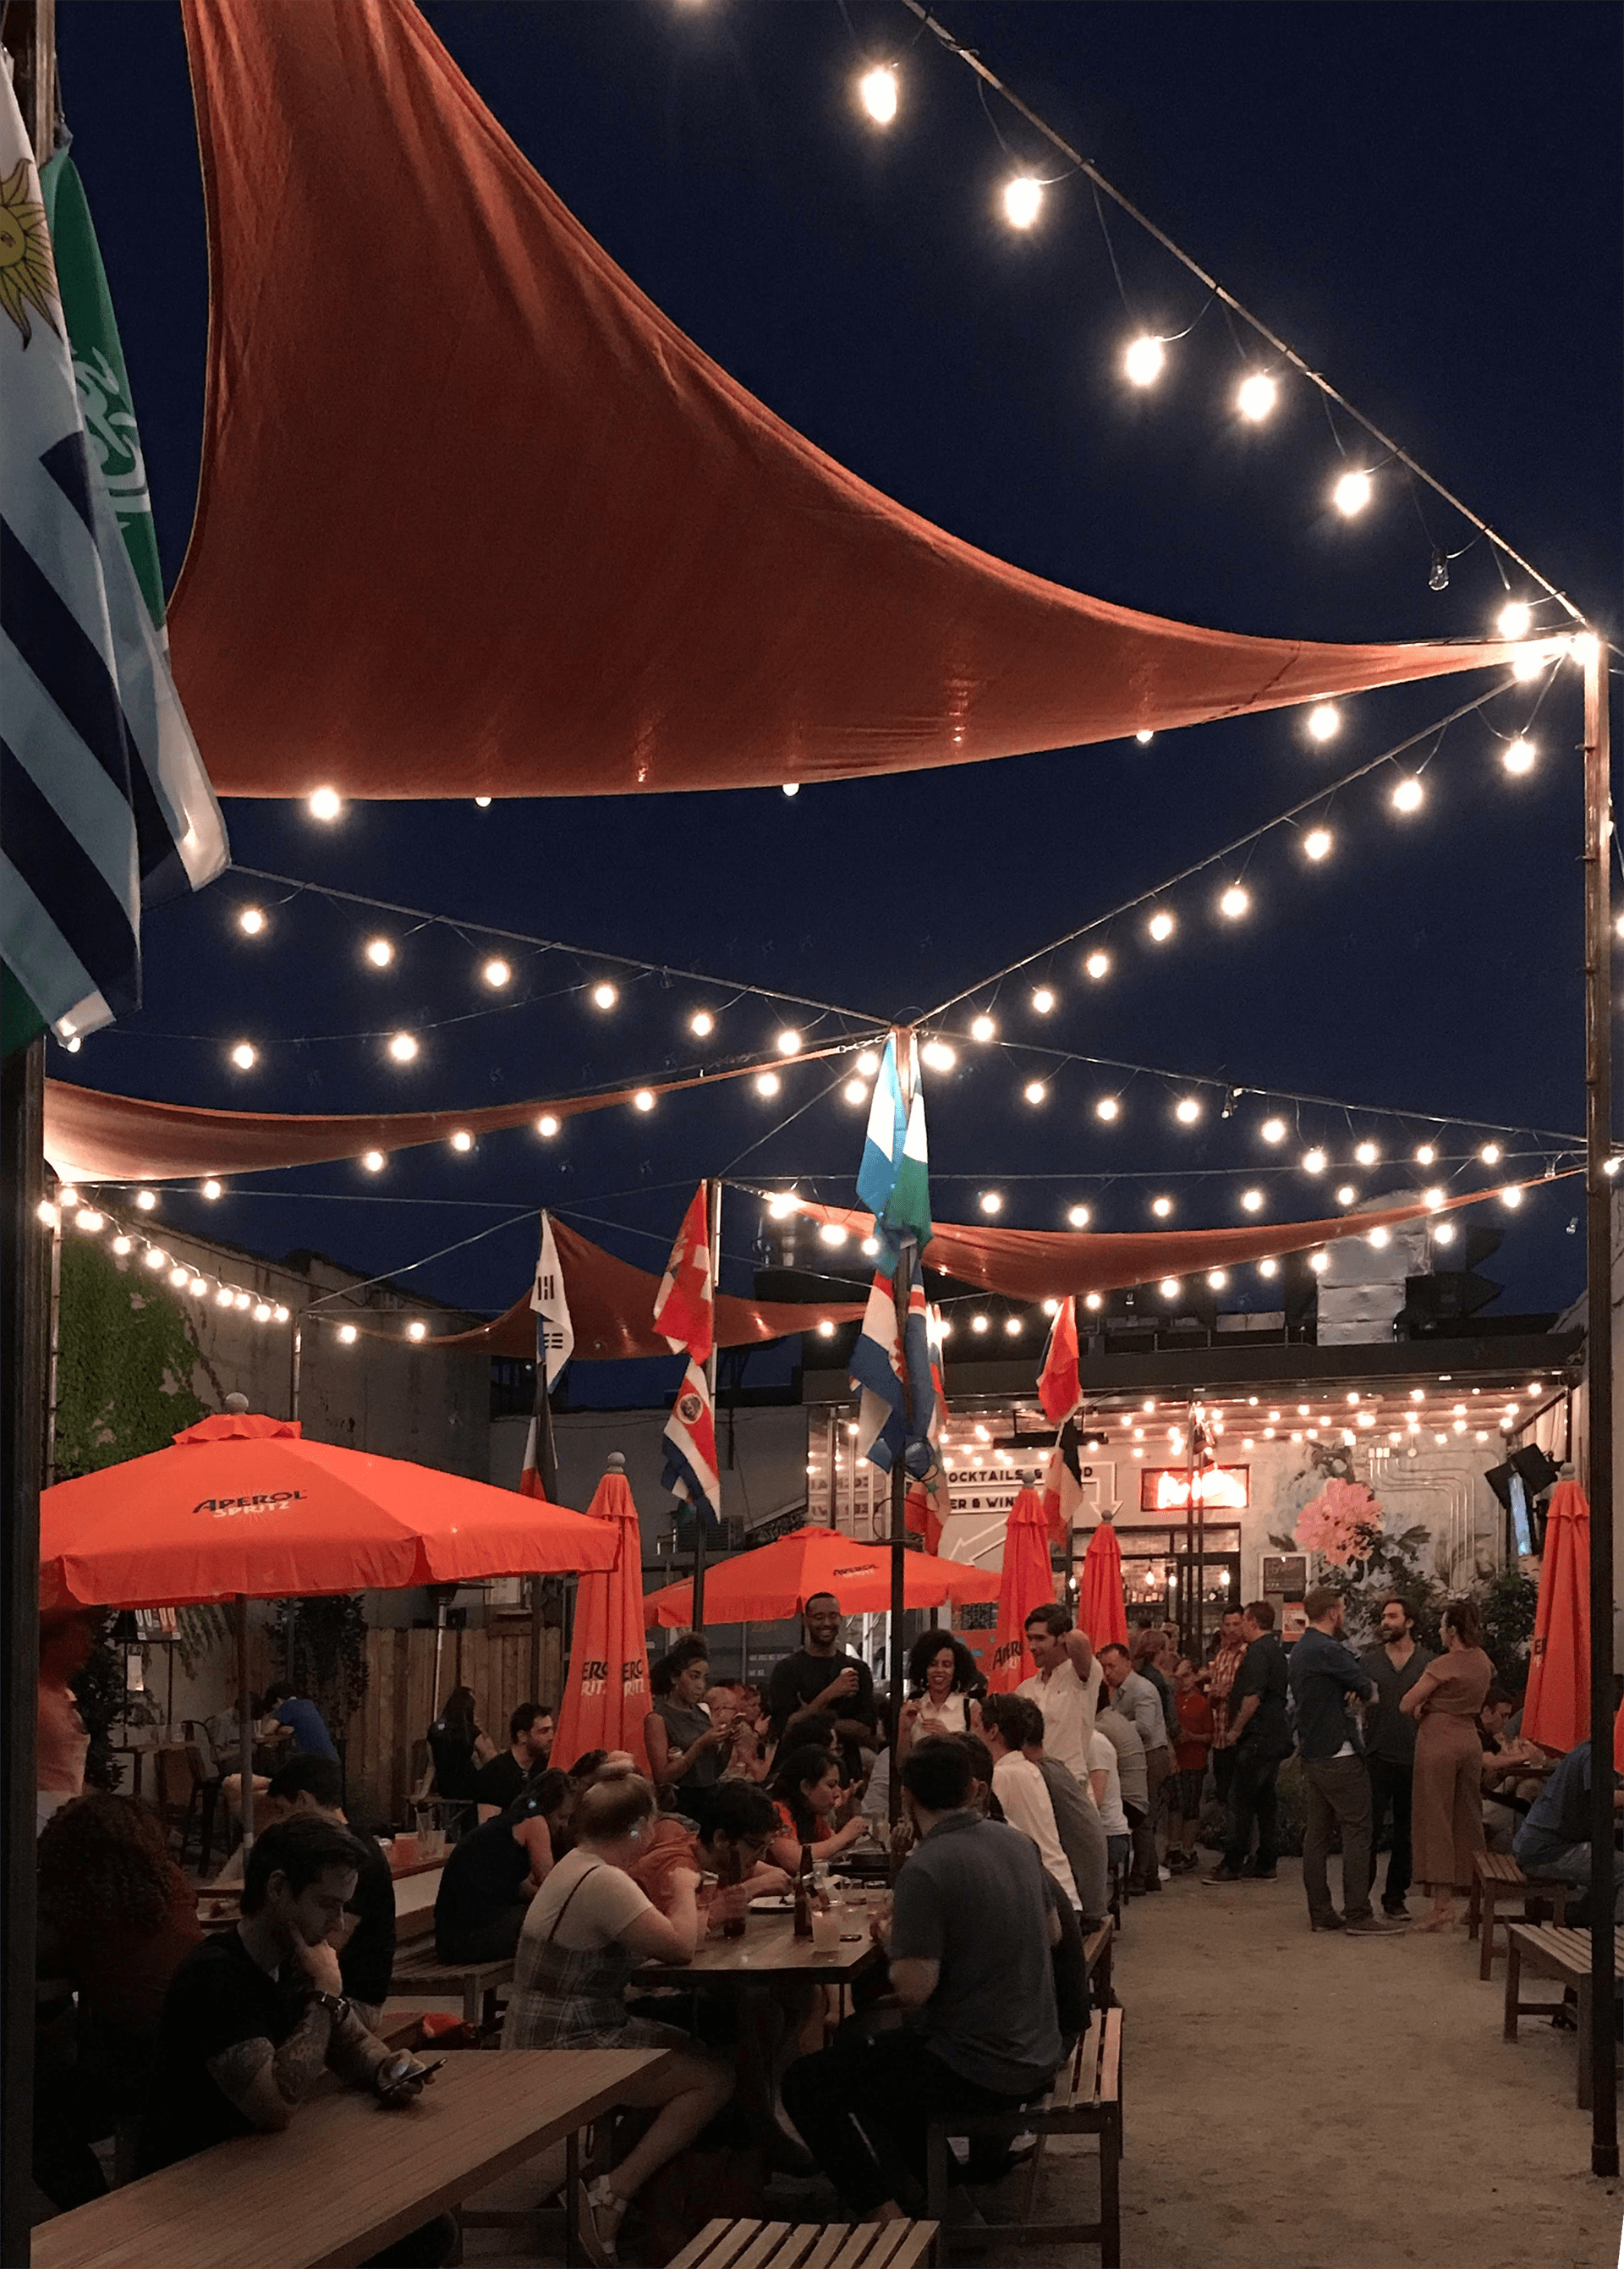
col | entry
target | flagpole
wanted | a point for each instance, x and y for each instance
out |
(714, 1231)
(900, 1291)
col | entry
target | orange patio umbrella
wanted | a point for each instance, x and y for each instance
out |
(768, 1585)
(606, 1695)
(1556, 1710)
(1102, 1610)
(1027, 1582)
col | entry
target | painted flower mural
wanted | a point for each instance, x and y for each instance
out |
(1341, 1524)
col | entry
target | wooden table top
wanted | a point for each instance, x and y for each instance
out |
(770, 1949)
(414, 1901)
(348, 2178)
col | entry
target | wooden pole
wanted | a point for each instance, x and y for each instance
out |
(713, 1230)
(1599, 1200)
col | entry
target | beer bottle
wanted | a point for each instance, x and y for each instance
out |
(803, 1894)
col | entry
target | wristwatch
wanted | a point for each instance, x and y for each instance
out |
(336, 2004)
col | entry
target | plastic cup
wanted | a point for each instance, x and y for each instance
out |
(825, 1930)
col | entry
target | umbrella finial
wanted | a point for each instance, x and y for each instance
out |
(1108, 1513)
(615, 1462)
(236, 1403)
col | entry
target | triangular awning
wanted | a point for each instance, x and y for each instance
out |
(476, 518)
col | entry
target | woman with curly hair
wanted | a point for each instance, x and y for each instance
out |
(116, 1919)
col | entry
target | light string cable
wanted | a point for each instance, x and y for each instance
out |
(1288, 353)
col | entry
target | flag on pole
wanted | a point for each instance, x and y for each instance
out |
(690, 1469)
(893, 1180)
(1062, 1491)
(1059, 1382)
(105, 805)
(929, 1500)
(555, 1343)
(894, 1421)
(684, 1310)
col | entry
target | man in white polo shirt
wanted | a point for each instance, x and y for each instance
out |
(1066, 1687)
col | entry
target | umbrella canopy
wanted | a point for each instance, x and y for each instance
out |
(244, 1505)
(606, 1695)
(768, 1585)
(1556, 1710)
(1027, 1582)
(1102, 1611)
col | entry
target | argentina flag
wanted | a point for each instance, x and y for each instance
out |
(105, 805)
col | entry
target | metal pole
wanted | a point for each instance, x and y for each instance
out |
(713, 1224)
(53, 1343)
(1599, 1411)
(245, 1724)
(296, 1360)
(22, 1389)
(899, 1485)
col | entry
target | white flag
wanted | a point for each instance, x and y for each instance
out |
(555, 1334)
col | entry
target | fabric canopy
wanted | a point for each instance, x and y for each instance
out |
(93, 1137)
(612, 1305)
(771, 1583)
(638, 578)
(606, 1696)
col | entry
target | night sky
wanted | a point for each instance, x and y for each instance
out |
(1423, 200)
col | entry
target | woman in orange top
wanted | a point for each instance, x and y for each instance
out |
(1195, 1739)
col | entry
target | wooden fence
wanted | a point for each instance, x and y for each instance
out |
(385, 1740)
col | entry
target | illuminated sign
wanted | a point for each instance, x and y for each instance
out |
(1166, 1489)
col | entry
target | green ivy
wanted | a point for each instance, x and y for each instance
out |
(125, 1366)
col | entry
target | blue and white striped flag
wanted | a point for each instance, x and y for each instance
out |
(893, 1180)
(105, 805)
(890, 1425)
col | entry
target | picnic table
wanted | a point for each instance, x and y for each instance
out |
(769, 1949)
(348, 2178)
(415, 1892)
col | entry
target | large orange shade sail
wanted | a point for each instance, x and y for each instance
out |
(1026, 1582)
(244, 1505)
(768, 1585)
(648, 581)
(1102, 1610)
(1556, 1708)
(606, 1695)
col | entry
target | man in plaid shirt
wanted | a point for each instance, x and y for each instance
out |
(1217, 1682)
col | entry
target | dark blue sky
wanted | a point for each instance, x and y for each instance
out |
(1423, 200)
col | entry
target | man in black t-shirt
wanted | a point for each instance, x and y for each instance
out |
(255, 2016)
(821, 1675)
(312, 1788)
(1260, 1732)
(529, 1734)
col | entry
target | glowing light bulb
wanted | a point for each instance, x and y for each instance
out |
(1444, 1233)
(784, 1204)
(379, 953)
(547, 1126)
(856, 1092)
(1367, 1154)
(1527, 662)
(977, 1324)
(702, 1024)
(869, 1246)
(1161, 927)
(1092, 1300)
(1425, 1156)
(1379, 1238)
(1273, 1130)
(461, 1139)
(325, 804)
(869, 1063)
(1234, 902)
(88, 1219)
(1346, 1195)
(1035, 1091)
(1042, 1000)
(1317, 843)
(482, 803)
(1514, 620)
(347, 1334)
(1252, 1200)
(1434, 1200)
(47, 1213)
(1160, 1208)
(1097, 965)
(1256, 397)
(1013, 1326)
(767, 1083)
(146, 1201)
(1107, 1108)
(788, 1042)
(245, 1055)
(982, 1029)
(604, 995)
(122, 1244)
(1324, 722)
(416, 1329)
(1217, 1278)
(938, 1055)
(1313, 1162)
(1351, 494)
(251, 921)
(1143, 362)
(222, 1297)
(497, 973)
(402, 1047)
(1171, 1288)
(876, 90)
(991, 1201)
(154, 1257)
(1268, 1269)
(1320, 1262)
(1078, 1216)
(199, 1285)
(1023, 200)
(73, 1046)
(373, 1161)
(211, 1190)
(1187, 1110)
(1519, 756)
(832, 1233)
(644, 1099)
(825, 1330)
(1408, 796)
(1511, 1196)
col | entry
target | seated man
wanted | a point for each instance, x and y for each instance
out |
(1020, 1787)
(491, 1876)
(255, 2016)
(530, 1746)
(1555, 1837)
(1076, 1820)
(982, 2031)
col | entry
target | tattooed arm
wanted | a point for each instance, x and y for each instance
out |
(266, 2084)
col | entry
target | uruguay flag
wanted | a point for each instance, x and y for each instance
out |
(691, 1471)
(887, 1428)
(105, 805)
(894, 1179)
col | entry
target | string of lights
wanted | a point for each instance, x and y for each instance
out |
(90, 1219)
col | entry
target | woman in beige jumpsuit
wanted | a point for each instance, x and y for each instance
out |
(1446, 1801)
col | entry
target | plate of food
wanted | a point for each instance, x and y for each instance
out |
(773, 1902)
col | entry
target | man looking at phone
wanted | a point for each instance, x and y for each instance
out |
(821, 1675)
(255, 2016)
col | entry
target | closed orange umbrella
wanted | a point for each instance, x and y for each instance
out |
(1027, 1582)
(1102, 1610)
(768, 1585)
(1556, 1710)
(606, 1695)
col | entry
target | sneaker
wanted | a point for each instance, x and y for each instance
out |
(1225, 1875)
(1332, 1921)
(1395, 1909)
(1375, 1926)
(1261, 1875)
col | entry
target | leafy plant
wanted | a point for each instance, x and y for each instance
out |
(322, 1646)
(1392, 1565)
(1507, 1602)
(99, 1688)
(126, 1364)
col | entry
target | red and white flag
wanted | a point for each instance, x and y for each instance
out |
(684, 1310)
(1062, 1485)
(1059, 1382)
(691, 1470)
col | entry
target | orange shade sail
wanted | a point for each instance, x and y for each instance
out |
(1027, 1582)
(1101, 1609)
(768, 1585)
(244, 1504)
(1556, 1708)
(606, 1694)
(648, 580)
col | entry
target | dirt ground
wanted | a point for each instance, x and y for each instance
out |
(1304, 2101)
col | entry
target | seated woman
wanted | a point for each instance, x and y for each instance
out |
(739, 1823)
(581, 1942)
(806, 1785)
(491, 1876)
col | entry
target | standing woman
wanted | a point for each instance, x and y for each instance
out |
(459, 1746)
(943, 1680)
(686, 1752)
(1446, 1806)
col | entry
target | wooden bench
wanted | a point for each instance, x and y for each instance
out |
(1086, 2100)
(810, 2245)
(421, 1972)
(1498, 1880)
(1097, 1959)
(1551, 1951)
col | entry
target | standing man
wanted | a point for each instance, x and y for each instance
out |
(1020, 1787)
(1133, 1787)
(1260, 1736)
(529, 1736)
(1325, 1680)
(1395, 1665)
(1066, 1687)
(821, 1675)
(1216, 1680)
(1136, 1699)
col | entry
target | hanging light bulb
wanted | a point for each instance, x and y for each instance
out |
(789, 1042)
(1325, 722)
(245, 1055)
(1162, 1208)
(982, 1029)
(1490, 1154)
(402, 1047)
(146, 1201)
(702, 1024)
(856, 1092)
(347, 1334)
(1042, 1000)
(1527, 662)
(122, 1244)
(1161, 927)
(1035, 1091)
(373, 1161)
(1107, 1108)
(1234, 902)
(1097, 965)
(767, 1083)
(88, 1219)
(644, 1099)
(1187, 1110)
(791, 787)
(876, 90)
(1367, 1154)
(1217, 1278)
(211, 1190)
(832, 1233)
(379, 953)
(1093, 1300)
(497, 973)
(1257, 397)
(783, 1205)
(1425, 1156)
(1077, 1217)
(461, 1139)
(1351, 494)
(1252, 1200)
(604, 995)
(1316, 842)
(1515, 619)
(325, 804)
(1438, 574)
(155, 1258)
(482, 803)
(991, 1201)
(222, 1297)
(1518, 754)
(869, 1246)
(938, 1055)
(1313, 1162)
(1273, 1130)
(1511, 1196)
(547, 1126)
(1320, 1262)
(1346, 1195)
(251, 921)
(1144, 737)
(869, 1063)
(1407, 795)
(1023, 200)
(1444, 1233)
(1379, 1238)
(261, 1311)
(199, 1285)
(1014, 1326)
(1143, 362)
(1171, 1288)
(1268, 1269)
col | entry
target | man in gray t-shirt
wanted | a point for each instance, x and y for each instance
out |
(982, 2033)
